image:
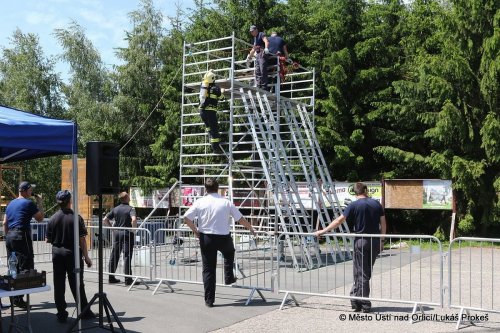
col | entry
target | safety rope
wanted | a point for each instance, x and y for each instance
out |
(154, 109)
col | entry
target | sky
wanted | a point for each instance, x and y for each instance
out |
(104, 21)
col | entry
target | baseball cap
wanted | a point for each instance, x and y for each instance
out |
(24, 186)
(252, 28)
(63, 196)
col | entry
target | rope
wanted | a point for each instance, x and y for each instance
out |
(154, 109)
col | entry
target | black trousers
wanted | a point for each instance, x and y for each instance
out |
(20, 242)
(261, 70)
(366, 251)
(63, 263)
(209, 245)
(123, 241)
(209, 118)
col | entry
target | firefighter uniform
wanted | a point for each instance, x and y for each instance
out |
(210, 94)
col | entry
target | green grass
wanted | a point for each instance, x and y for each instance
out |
(426, 244)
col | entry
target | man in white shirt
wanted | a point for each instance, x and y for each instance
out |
(214, 224)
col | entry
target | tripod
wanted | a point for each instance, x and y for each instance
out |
(101, 295)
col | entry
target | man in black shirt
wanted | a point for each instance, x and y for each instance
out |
(123, 240)
(369, 218)
(60, 234)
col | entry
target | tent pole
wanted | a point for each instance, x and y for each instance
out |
(76, 234)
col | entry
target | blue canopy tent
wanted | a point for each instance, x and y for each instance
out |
(25, 136)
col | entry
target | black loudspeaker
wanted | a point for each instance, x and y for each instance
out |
(102, 168)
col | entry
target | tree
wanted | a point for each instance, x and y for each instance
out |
(166, 169)
(335, 29)
(90, 91)
(139, 98)
(28, 82)
(27, 77)
(449, 103)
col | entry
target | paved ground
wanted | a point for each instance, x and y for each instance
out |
(140, 311)
(321, 314)
(184, 311)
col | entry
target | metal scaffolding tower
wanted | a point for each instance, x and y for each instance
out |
(272, 167)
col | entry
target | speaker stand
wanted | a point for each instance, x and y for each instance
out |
(101, 295)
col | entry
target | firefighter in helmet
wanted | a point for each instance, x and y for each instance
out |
(210, 94)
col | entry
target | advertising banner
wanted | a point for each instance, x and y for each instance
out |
(345, 192)
(140, 200)
(190, 194)
(437, 194)
(246, 198)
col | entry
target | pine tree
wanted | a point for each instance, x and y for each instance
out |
(449, 104)
(139, 99)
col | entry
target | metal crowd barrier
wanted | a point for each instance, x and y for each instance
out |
(142, 261)
(408, 270)
(177, 258)
(474, 276)
(41, 249)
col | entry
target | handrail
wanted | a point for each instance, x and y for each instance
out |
(162, 199)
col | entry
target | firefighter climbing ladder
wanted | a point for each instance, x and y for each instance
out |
(272, 167)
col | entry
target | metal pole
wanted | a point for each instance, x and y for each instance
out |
(76, 234)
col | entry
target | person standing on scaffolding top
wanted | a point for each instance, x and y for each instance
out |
(260, 50)
(210, 94)
(279, 50)
(277, 45)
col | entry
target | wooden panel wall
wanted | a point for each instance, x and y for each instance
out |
(404, 194)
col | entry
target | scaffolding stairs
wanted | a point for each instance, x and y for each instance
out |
(266, 128)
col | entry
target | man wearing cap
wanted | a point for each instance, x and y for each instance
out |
(17, 230)
(123, 240)
(60, 234)
(260, 50)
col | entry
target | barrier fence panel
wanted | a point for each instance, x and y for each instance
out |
(177, 258)
(41, 249)
(408, 270)
(474, 276)
(142, 261)
(254, 261)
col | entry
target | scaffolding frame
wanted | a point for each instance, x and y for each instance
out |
(271, 156)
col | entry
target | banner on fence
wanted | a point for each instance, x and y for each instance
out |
(141, 200)
(346, 195)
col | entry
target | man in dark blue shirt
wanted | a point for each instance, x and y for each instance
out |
(278, 49)
(260, 50)
(368, 217)
(17, 230)
(277, 45)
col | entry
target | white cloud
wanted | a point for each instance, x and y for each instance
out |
(36, 18)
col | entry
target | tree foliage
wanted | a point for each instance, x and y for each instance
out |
(89, 92)
(28, 82)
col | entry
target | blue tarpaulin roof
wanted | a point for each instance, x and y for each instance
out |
(25, 136)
